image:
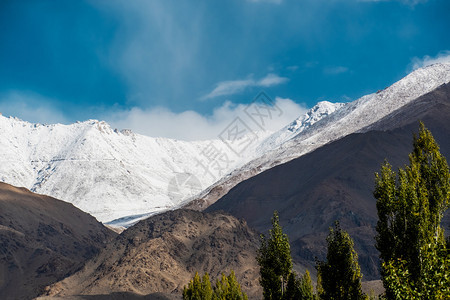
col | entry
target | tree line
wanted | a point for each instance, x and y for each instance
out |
(415, 257)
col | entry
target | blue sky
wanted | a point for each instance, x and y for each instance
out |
(155, 65)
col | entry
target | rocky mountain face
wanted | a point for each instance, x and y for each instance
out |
(42, 240)
(335, 182)
(162, 253)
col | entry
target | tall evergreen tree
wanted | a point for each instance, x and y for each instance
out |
(340, 273)
(410, 206)
(275, 262)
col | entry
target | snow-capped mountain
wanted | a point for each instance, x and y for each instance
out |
(106, 172)
(356, 116)
(117, 174)
(123, 175)
(318, 112)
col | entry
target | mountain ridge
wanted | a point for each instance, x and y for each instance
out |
(352, 117)
(121, 177)
(117, 176)
(86, 161)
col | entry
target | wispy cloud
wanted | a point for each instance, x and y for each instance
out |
(190, 125)
(335, 70)
(158, 41)
(441, 57)
(271, 80)
(226, 88)
(31, 107)
(229, 88)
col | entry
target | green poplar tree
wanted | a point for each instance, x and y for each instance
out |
(275, 262)
(299, 288)
(306, 287)
(319, 288)
(198, 289)
(292, 287)
(410, 205)
(340, 273)
(228, 288)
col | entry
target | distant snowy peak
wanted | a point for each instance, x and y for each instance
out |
(321, 110)
(361, 113)
(318, 112)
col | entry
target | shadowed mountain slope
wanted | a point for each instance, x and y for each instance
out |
(42, 240)
(336, 181)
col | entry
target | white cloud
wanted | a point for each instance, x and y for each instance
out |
(190, 125)
(229, 88)
(271, 80)
(441, 57)
(335, 70)
(30, 107)
(232, 87)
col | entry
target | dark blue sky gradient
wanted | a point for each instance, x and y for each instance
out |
(85, 58)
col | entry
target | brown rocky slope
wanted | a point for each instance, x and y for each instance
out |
(42, 240)
(161, 254)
